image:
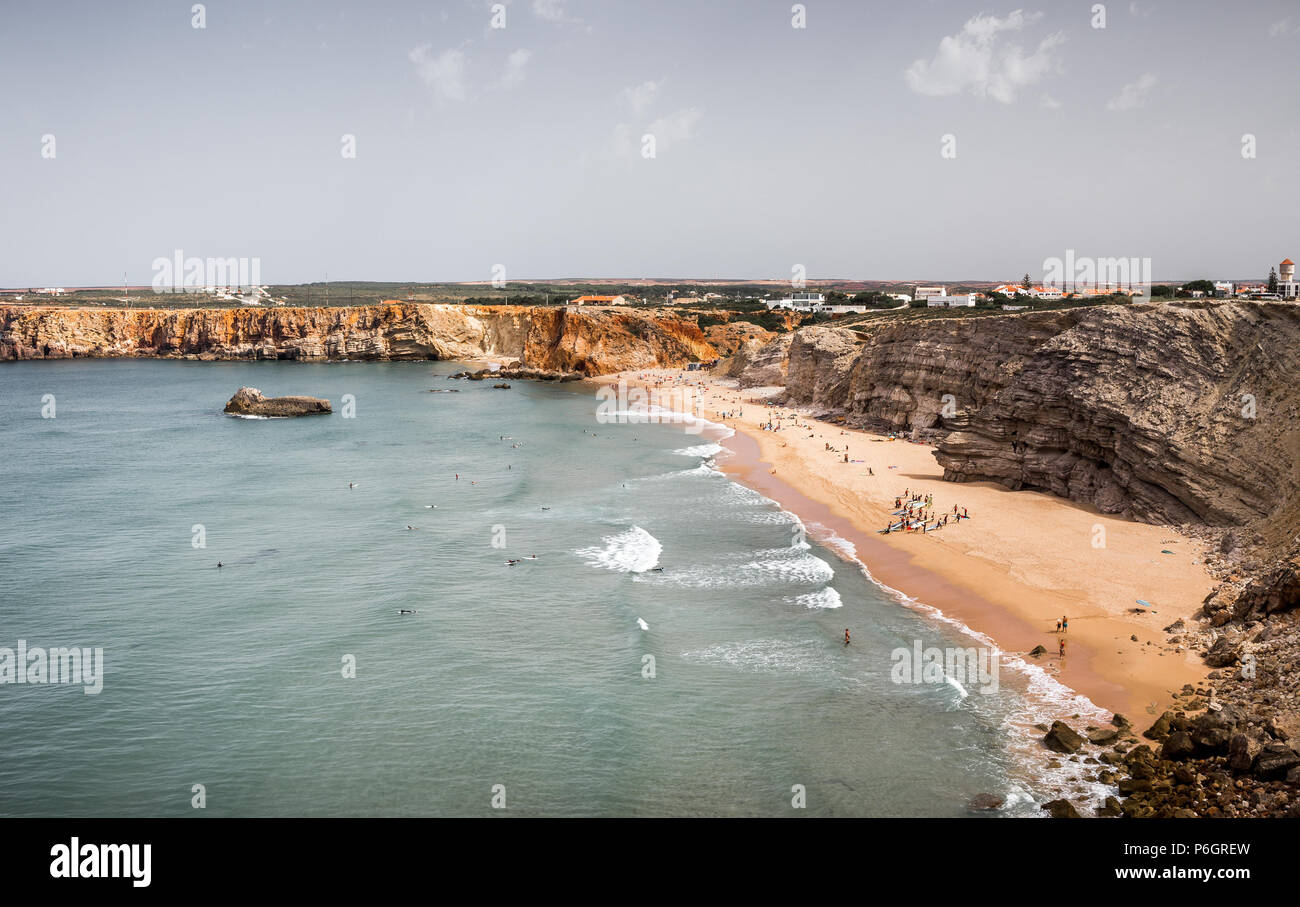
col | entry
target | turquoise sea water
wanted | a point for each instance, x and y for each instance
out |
(527, 676)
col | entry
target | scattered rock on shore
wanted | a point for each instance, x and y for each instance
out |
(1062, 738)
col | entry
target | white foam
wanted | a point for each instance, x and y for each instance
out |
(778, 656)
(700, 450)
(823, 599)
(631, 551)
(768, 568)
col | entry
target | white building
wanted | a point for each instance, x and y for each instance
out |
(965, 300)
(1223, 286)
(1287, 287)
(799, 302)
(927, 292)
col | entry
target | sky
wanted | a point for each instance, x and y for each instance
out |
(421, 141)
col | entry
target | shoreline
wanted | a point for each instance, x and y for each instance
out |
(1023, 559)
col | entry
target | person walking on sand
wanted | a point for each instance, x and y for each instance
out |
(1058, 626)
(1065, 623)
(1062, 646)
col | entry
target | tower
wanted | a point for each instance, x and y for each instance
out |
(1286, 271)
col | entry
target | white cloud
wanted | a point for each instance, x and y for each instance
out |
(675, 128)
(516, 66)
(1283, 29)
(550, 10)
(444, 74)
(1134, 94)
(1050, 102)
(640, 97)
(978, 60)
(669, 132)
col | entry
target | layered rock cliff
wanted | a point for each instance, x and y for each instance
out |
(1168, 413)
(593, 341)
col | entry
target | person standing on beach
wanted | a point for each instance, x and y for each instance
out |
(1065, 623)
(1062, 646)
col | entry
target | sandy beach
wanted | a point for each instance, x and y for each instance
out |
(1020, 563)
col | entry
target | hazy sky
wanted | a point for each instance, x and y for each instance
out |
(522, 145)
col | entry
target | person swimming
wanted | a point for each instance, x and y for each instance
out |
(406, 611)
(846, 636)
(219, 564)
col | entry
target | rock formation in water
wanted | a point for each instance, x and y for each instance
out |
(249, 401)
(592, 341)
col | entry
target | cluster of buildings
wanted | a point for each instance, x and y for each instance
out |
(816, 303)
(603, 300)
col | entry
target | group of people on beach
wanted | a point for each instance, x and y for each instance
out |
(917, 512)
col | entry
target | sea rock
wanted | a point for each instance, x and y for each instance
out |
(1061, 809)
(1110, 809)
(1036, 651)
(1104, 736)
(1061, 738)
(249, 401)
(986, 802)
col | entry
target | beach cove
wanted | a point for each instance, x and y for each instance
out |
(1024, 559)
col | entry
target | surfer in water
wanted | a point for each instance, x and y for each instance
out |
(220, 565)
(405, 611)
(846, 636)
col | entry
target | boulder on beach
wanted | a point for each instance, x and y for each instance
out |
(1062, 738)
(249, 401)
(1061, 809)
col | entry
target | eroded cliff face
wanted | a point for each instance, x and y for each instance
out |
(1168, 413)
(594, 341)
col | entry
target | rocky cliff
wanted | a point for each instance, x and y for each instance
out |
(1168, 413)
(593, 341)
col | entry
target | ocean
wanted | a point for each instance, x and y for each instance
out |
(287, 683)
